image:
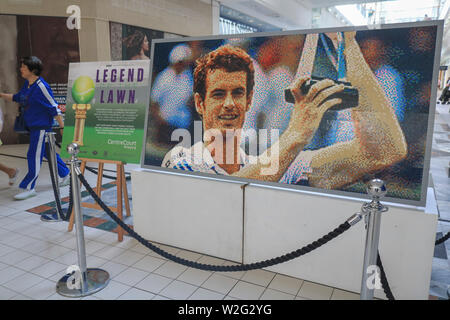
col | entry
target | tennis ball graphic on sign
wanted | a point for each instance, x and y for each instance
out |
(83, 90)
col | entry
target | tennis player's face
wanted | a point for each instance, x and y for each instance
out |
(226, 100)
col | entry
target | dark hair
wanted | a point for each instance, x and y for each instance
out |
(134, 43)
(225, 57)
(34, 64)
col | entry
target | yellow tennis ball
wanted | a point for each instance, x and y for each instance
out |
(83, 90)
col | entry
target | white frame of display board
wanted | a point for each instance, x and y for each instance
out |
(210, 216)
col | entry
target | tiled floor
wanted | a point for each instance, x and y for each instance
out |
(34, 255)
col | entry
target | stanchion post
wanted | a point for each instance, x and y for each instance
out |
(90, 280)
(372, 211)
(50, 136)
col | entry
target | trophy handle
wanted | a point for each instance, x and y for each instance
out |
(306, 62)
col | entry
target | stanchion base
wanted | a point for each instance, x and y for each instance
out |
(51, 218)
(97, 279)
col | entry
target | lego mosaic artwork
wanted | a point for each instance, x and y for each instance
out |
(324, 111)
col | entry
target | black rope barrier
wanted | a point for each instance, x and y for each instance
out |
(242, 267)
(66, 216)
(443, 239)
(383, 278)
(52, 177)
(104, 175)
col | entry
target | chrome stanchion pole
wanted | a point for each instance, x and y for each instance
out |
(83, 281)
(372, 212)
(50, 136)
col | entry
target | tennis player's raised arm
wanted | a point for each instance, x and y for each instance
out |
(379, 140)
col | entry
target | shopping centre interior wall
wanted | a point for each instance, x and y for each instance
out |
(185, 17)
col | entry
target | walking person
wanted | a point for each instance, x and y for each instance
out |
(40, 108)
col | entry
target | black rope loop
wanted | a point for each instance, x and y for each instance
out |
(104, 175)
(242, 267)
(66, 216)
(443, 239)
(383, 278)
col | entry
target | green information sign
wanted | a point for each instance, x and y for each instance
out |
(105, 112)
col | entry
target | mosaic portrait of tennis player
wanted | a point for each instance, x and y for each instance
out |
(224, 81)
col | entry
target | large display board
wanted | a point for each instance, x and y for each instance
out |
(106, 106)
(321, 110)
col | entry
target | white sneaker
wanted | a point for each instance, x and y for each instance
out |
(65, 181)
(25, 195)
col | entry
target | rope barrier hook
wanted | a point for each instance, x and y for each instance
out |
(372, 214)
(85, 281)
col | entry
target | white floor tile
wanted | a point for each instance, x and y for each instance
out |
(194, 276)
(95, 262)
(54, 252)
(259, 277)
(68, 258)
(17, 225)
(149, 263)
(4, 249)
(57, 296)
(153, 283)
(140, 249)
(6, 294)
(315, 291)
(11, 237)
(93, 246)
(23, 282)
(131, 276)
(90, 297)
(204, 294)
(109, 252)
(136, 294)
(211, 260)
(270, 294)
(286, 284)
(10, 273)
(127, 243)
(246, 291)
(344, 295)
(170, 270)
(22, 242)
(112, 291)
(178, 290)
(128, 257)
(14, 257)
(113, 268)
(42, 290)
(20, 297)
(158, 297)
(50, 268)
(32, 263)
(37, 246)
(219, 283)
(3, 266)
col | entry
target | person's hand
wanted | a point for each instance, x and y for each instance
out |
(61, 130)
(310, 108)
